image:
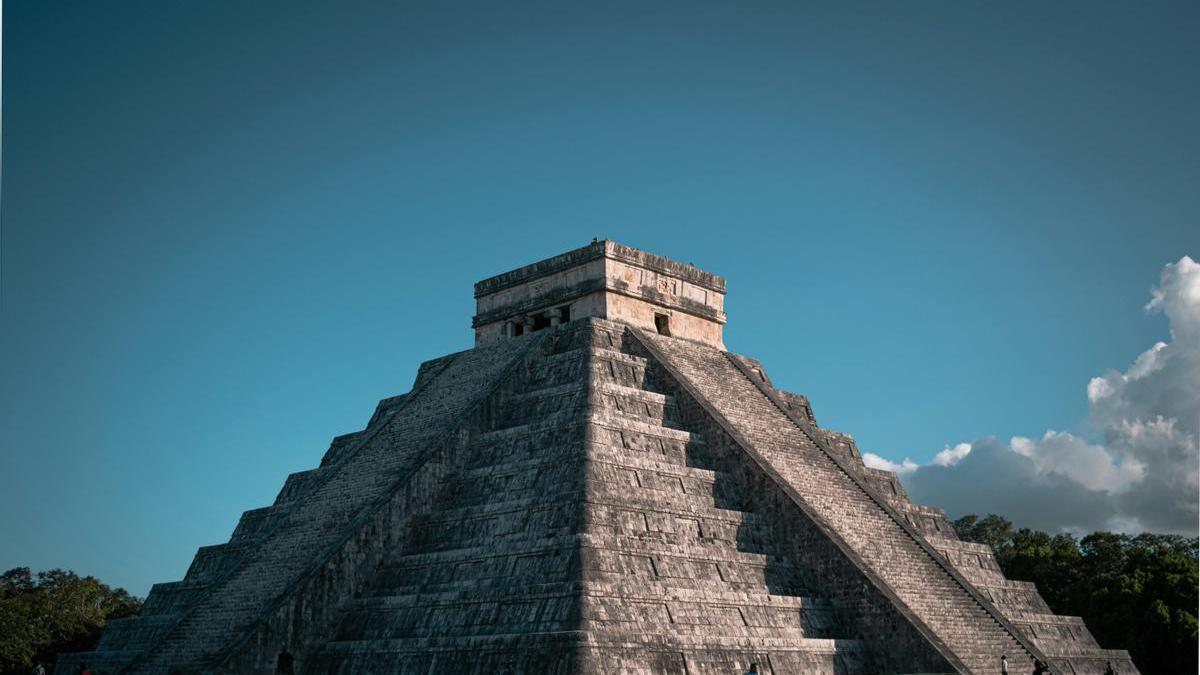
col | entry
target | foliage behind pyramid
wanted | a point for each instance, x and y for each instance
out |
(596, 487)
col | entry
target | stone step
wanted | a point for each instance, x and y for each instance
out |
(1014, 597)
(618, 367)
(525, 615)
(593, 453)
(711, 527)
(716, 552)
(99, 661)
(598, 579)
(601, 354)
(716, 626)
(508, 434)
(622, 457)
(526, 544)
(172, 597)
(135, 633)
(341, 446)
(1091, 661)
(617, 411)
(537, 404)
(591, 637)
(927, 519)
(612, 586)
(298, 484)
(212, 562)
(679, 486)
(255, 522)
(721, 642)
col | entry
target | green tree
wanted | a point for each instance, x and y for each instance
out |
(992, 530)
(53, 612)
(1053, 561)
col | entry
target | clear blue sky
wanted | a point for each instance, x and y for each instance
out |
(228, 229)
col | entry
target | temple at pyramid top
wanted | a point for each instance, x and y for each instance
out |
(605, 280)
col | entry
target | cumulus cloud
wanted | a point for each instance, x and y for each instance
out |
(950, 456)
(1145, 475)
(876, 462)
(992, 478)
(1092, 466)
(947, 457)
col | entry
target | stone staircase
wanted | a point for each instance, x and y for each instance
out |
(674, 559)
(967, 630)
(1071, 648)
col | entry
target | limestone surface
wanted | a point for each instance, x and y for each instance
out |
(594, 496)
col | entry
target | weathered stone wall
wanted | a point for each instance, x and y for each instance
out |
(682, 324)
(603, 280)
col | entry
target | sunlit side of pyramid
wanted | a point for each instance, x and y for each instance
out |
(596, 487)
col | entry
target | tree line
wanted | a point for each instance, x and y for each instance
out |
(1135, 592)
(54, 612)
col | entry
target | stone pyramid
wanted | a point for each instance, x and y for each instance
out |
(596, 487)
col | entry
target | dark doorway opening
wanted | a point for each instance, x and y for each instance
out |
(663, 323)
(564, 314)
(286, 663)
(540, 321)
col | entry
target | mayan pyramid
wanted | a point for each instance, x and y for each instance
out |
(596, 487)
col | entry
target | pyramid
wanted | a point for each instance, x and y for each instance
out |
(596, 487)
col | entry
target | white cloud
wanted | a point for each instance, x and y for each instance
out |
(1145, 475)
(951, 456)
(993, 478)
(1178, 296)
(1092, 466)
(876, 462)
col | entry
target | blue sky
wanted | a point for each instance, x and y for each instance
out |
(228, 229)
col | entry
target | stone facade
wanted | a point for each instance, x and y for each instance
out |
(603, 280)
(594, 497)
